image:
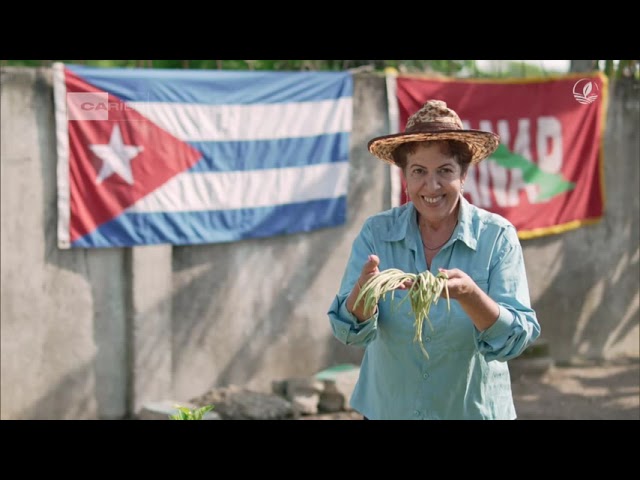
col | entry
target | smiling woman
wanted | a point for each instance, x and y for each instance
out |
(479, 268)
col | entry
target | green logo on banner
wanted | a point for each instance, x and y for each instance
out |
(551, 184)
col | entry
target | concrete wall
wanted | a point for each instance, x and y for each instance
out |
(97, 333)
(585, 284)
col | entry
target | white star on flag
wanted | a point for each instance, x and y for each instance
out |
(116, 157)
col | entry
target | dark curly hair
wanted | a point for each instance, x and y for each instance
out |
(454, 148)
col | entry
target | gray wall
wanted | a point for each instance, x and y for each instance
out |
(585, 283)
(97, 333)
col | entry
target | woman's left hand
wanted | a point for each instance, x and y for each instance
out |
(482, 310)
(459, 284)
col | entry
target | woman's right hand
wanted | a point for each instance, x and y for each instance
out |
(369, 269)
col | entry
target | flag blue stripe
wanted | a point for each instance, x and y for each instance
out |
(220, 226)
(217, 87)
(265, 154)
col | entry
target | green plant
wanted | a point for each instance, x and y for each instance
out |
(185, 413)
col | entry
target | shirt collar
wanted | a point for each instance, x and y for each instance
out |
(397, 229)
(405, 225)
(467, 229)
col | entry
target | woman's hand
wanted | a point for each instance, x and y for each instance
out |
(460, 284)
(482, 309)
(369, 269)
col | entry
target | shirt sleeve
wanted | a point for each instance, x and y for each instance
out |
(517, 326)
(344, 324)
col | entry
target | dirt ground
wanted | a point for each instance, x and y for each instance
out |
(604, 391)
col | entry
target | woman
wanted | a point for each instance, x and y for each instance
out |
(490, 320)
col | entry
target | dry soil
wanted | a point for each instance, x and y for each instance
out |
(596, 391)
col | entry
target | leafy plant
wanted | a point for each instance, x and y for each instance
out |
(185, 413)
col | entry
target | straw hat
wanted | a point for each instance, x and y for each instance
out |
(435, 121)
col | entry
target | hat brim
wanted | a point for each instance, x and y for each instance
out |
(481, 143)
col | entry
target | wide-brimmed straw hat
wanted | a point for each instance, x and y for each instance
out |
(435, 121)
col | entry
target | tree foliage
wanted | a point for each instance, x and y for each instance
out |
(451, 68)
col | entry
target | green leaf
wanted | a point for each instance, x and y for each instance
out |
(551, 184)
(185, 413)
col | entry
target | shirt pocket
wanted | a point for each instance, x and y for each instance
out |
(396, 322)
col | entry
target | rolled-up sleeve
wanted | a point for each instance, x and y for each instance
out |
(517, 325)
(344, 324)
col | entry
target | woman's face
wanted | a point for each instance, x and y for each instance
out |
(434, 181)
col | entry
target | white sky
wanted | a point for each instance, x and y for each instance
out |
(555, 65)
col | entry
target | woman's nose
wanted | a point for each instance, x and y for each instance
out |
(432, 182)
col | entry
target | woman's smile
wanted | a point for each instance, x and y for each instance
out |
(433, 201)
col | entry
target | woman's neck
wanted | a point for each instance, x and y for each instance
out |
(445, 225)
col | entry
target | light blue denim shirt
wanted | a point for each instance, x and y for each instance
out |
(466, 375)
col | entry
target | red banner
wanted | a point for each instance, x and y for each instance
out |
(547, 175)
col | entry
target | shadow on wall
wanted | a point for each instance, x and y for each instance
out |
(200, 312)
(591, 305)
(579, 300)
(72, 398)
(103, 271)
(207, 313)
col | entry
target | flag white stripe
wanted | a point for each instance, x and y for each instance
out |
(197, 122)
(250, 189)
(62, 145)
(394, 121)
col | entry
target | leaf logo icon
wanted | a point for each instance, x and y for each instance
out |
(588, 94)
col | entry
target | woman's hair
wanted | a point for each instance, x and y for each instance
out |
(458, 150)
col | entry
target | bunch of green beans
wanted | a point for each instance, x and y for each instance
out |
(425, 290)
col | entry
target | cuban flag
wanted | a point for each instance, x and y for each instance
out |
(149, 156)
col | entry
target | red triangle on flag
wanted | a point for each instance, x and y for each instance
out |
(116, 157)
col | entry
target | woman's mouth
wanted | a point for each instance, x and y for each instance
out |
(432, 200)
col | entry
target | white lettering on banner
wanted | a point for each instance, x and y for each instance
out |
(477, 185)
(499, 175)
(549, 159)
(507, 183)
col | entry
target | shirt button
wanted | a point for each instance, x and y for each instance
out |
(427, 339)
(344, 330)
(425, 375)
(416, 413)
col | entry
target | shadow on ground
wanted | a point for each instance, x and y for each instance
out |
(608, 391)
(589, 392)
